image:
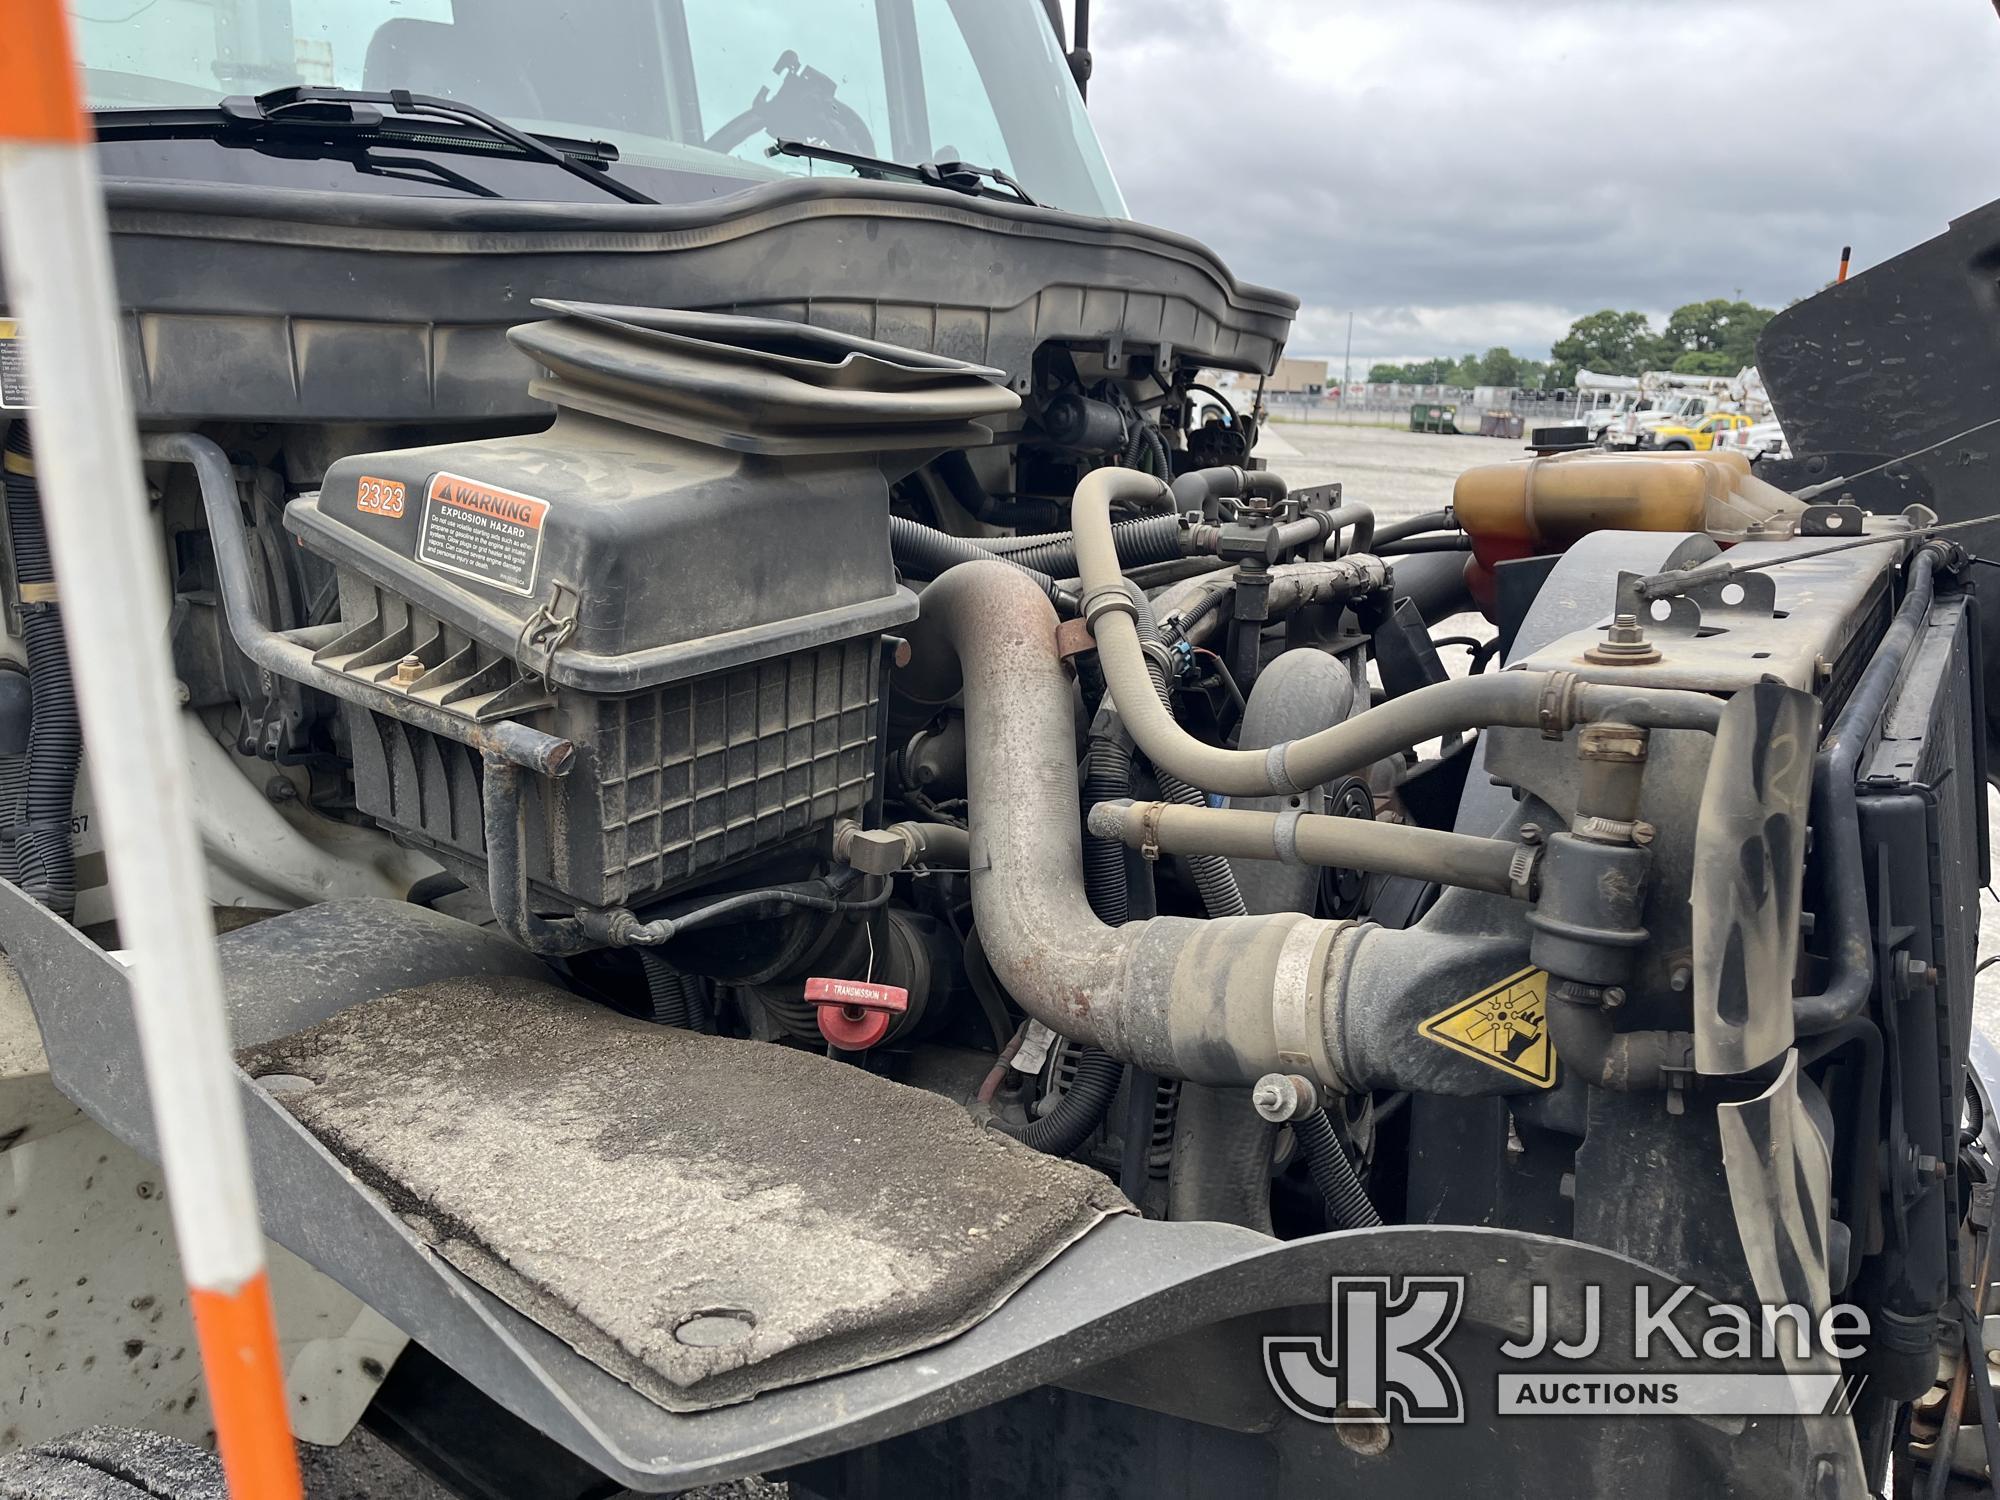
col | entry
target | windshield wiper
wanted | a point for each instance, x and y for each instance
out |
(311, 107)
(959, 176)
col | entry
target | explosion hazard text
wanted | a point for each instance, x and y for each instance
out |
(481, 531)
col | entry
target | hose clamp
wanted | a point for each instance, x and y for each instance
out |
(1521, 873)
(1285, 835)
(1301, 978)
(1276, 773)
(1557, 708)
(1171, 660)
(1149, 830)
(1110, 598)
(1605, 830)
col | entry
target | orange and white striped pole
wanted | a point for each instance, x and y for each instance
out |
(111, 576)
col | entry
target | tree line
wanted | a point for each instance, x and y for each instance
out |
(1716, 337)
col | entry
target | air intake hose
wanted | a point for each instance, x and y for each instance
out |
(42, 794)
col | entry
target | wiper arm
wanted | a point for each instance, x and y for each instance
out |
(360, 109)
(959, 176)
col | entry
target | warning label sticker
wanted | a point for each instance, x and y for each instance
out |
(13, 368)
(1505, 1026)
(480, 531)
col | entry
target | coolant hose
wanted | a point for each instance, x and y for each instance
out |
(1203, 489)
(39, 817)
(1552, 702)
(1333, 1174)
(1418, 525)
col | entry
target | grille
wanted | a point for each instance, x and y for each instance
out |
(669, 785)
(697, 774)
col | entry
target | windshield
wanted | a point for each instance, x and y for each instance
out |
(701, 86)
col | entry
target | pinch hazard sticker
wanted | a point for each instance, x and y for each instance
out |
(1505, 1026)
(481, 531)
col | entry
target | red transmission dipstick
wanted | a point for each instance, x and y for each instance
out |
(854, 1016)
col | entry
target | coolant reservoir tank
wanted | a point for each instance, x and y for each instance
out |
(1543, 505)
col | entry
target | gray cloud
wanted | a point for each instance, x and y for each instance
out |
(1462, 173)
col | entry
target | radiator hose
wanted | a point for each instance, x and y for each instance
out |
(42, 796)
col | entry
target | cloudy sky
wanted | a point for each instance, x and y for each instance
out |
(1465, 173)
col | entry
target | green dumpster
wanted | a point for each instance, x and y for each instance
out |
(1432, 416)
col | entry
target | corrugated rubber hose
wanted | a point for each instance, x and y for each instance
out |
(1141, 541)
(1082, 1105)
(1333, 1174)
(677, 998)
(925, 552)
(42, 795)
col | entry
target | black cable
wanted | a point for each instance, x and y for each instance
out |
(43, 802)
(1347, 1204)
(1412, 545)
(1083, 1104)
(1430, 520)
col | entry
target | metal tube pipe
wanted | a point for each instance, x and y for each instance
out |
(511, 741)
(1479, 864)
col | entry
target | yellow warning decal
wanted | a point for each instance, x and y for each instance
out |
(1505, 1026)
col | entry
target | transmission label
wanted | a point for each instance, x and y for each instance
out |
(1505, 1026)
(481, 531)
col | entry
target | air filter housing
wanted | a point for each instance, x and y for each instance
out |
(687, 575)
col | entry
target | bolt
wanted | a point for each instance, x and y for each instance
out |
(1279, 1097)
(1361, 1430)
(1680, 978)
(1613, 998)
(1531, 833)
(1822, 669)
(280, 789)
(1644, 834)
(408, 670)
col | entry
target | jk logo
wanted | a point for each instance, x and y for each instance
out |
(1380, 1358)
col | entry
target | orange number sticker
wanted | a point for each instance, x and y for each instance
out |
(381, 497)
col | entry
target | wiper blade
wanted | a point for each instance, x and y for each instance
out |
(316, 107)
(959, 176)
